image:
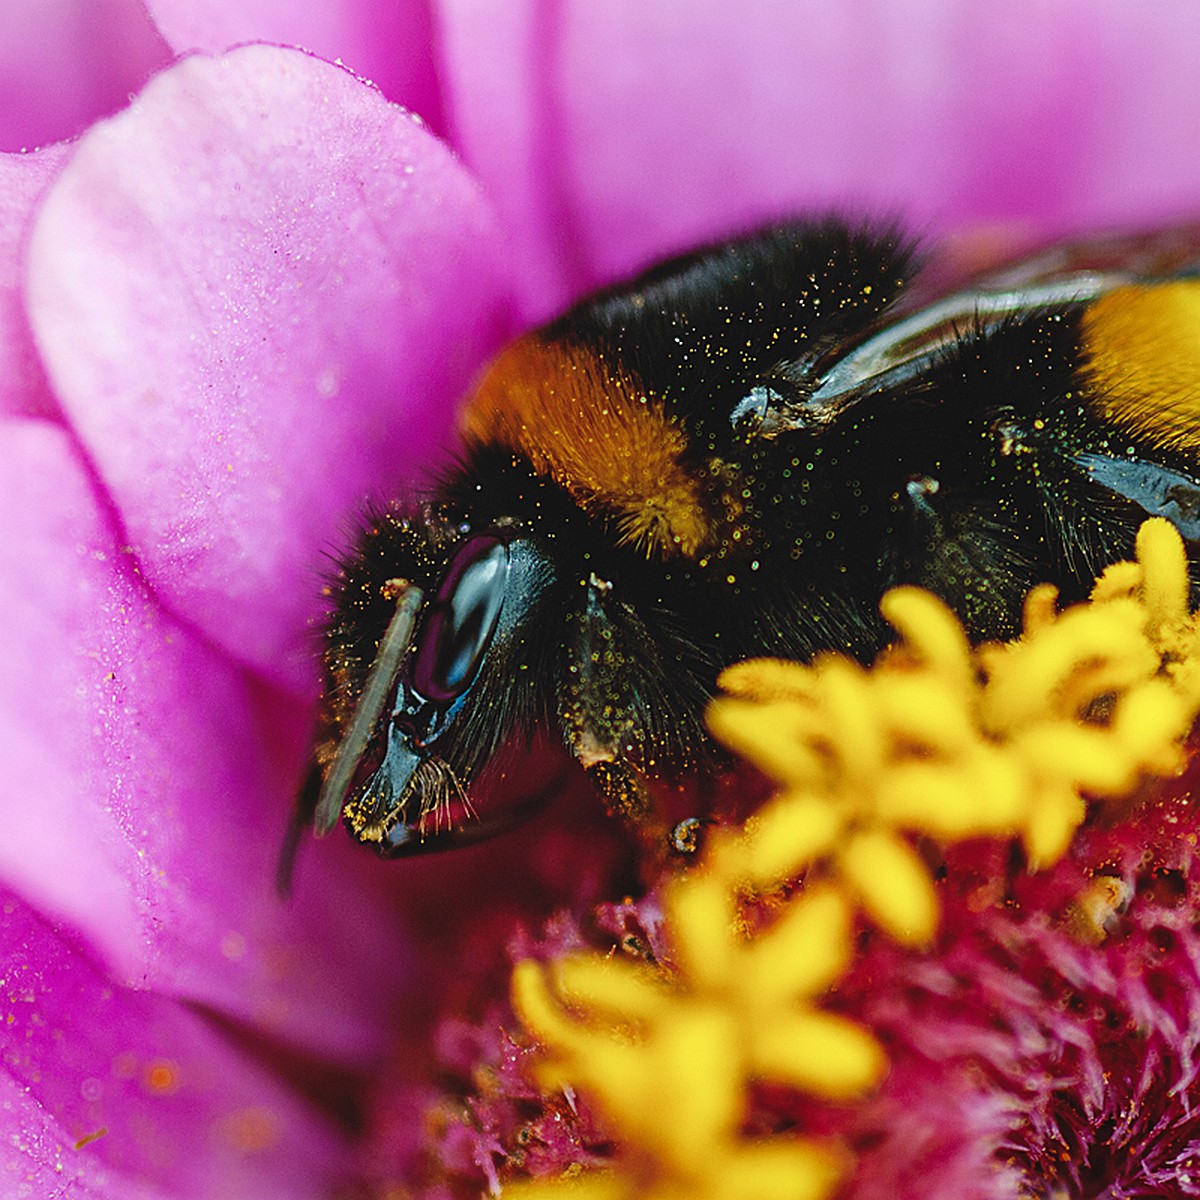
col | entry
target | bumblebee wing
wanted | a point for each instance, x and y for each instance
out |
(1112, 277)
(1154, 487)
(1016, 430)
(1148, 255)
(909, 347)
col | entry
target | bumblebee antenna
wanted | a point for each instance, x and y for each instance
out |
(374, 696)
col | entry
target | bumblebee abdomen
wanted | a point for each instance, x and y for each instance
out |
(1141, 355)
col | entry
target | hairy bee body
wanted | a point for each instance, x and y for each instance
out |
(737, 454)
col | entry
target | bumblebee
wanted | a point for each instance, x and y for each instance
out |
(736, 454)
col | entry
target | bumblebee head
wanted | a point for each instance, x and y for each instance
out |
(425, 656)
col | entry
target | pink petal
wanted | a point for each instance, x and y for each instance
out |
(112, 1094)
(23, 179)
(257, 294)
(64, 63)
(386, 41)
(148, 784)
(611, 133)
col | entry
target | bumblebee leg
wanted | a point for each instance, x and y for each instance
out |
(622, 791)
(688, 836)
(625, 795)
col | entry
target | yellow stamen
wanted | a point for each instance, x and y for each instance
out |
(937, 742)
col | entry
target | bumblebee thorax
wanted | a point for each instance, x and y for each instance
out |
(609, 442)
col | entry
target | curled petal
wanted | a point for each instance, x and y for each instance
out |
(112, 1094)
(893, 885)
(258, 293)
(795, 1169)
(598, 134)
(776, 736)
(23, 179)
(148, 782)
(389, 43)
(804, 952)
(818, 1052)
(703, 919)
(65, 63)
(789, 832)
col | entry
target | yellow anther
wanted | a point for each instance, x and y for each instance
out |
(936, 743)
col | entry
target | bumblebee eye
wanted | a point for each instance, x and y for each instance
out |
(461, 621)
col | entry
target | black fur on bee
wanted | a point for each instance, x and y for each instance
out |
(736, 454)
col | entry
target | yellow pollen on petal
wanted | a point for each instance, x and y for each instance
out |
(1096, 906)
(162, 1077)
